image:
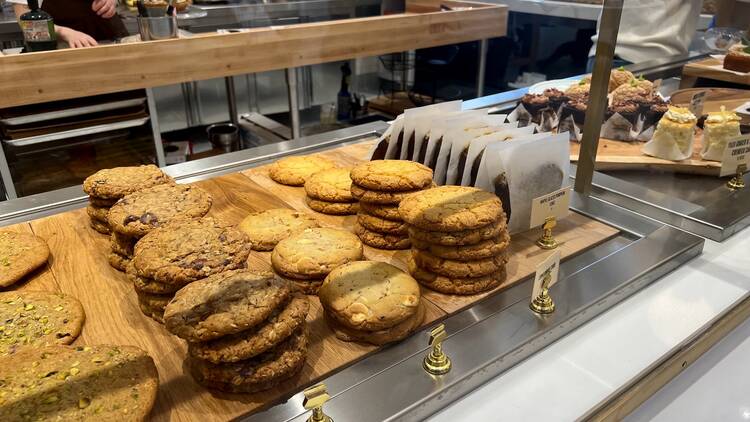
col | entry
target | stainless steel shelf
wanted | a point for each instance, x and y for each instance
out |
(72, 112)
(90, 130)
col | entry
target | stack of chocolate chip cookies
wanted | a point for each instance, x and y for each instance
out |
(180, 252)
(107, 186)
(371, 302)
(459, 239)
(307, 257)
(380, 186)
(245, 330)
(329, 192)
(140, 212)
(295, 170)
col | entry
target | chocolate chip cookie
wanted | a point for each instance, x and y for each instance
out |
(148, 285)
(117, 261)
(332, 185)
(392, 175)
(267, 228)
(153, 305)
(121, 244)
(451, 208)
(97, 213)
(20, 254)
(295, 170)
(142, 211)
(332, 208)
(117, 182)
(99, 226)
(313, 253)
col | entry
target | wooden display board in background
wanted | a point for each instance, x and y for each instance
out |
(78, 266)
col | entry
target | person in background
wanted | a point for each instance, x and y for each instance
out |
(652, 29)
(80, 23)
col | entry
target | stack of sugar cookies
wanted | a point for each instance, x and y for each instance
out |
(371, 302)
(307, 257)
(459, 239)
(380, 186)
(138, 213)
(181, 252)
(265, 229)
(295, 170)
(107, 186)
(329, 192)
(245, 330)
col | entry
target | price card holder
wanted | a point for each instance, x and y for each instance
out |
(736, 154)
(554, 204)
(696, 103)
(546, 276)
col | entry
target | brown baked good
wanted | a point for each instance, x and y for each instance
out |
(331, 185)
(267, 228)
(99, 226)
(381, 240)
(451, 208)
(738, 58)
(392, 175)
(381, 225)
(380, 337)
(332, 208)
(388, 212)
(313, 253)
(20, 254)
(456, 285)
(117, 261)
(295, 170)
(117, 182)
(459, 269)
(484, 249)
(457, 238)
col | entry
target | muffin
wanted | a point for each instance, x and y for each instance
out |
(556, 98)
(619, 77)
(534, 104)
(577, 90)
(673, 138)
(628, 109)
(718, 129)
(655, 112)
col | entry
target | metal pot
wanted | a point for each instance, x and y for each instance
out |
(224, 136)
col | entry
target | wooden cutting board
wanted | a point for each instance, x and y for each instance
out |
(79, 267)
(711, 68)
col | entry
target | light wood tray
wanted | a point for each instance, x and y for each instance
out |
(79, 267)
(711, 68)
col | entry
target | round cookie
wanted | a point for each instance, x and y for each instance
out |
(484, 249)
(100, 227)
(380, 225)
(117, 261)
(153, 305)
(313, 253)
(117, 182)
(149, 286)
(142, 211)
(259, 373)
(451, 208)
(459, 238)
(101, 202)
(153, 313)
(453, 268)
(267, 228)
(91, 383)
(392, 175)
(225, 303)
(387, 212)
(456, 286)
(308, 287)
(97, 213)
(369, 295)
(34, 319)
(295, 170)
(121, 244)
(20, 254)
(396, 333)
(248, 344)
(332, 185)
(380, 240)
(332, 208)
(187, 250)
(379, 196)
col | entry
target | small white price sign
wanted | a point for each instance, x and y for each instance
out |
(553, 204)
(550, 266)
(696, 103)
(736, 154)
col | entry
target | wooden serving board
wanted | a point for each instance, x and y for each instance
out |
(79, 267)
(711, 68)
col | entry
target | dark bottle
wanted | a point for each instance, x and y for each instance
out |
(38, 29)
(344, 106)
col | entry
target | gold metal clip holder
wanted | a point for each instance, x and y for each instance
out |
(547, 241)
(437, 362)
(543, 304)
(315, 397)
(738, 182)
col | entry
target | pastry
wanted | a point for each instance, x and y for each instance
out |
(142, 211)
(556, 98)
(458, 238)
(117, 261)
(117, 182)
(224, 304)
(451, 208)
(635, 90)
(369, 295)
(388, 212)
(673, 138)
(484, 249)
(259, 373)
(381, 225)
(379, 196)
(459, 269)
(97, 213)
(534, 104)
(84, 383)
(295, 170)
(147, 285)
(619, 77)
(332, 185)
(308, 287)
(456, 285)
(392, 175)
(20, 255)
(718, 129)
(381, 240)
(267, 228)
(121, 244)
(332, 208)
(575, 108)
(153, 305)
(579, 89)
(628, 109)
(30, 320)
(655, 112)
(101, 202)
(187, 250)
(313, 253)
(248, 344)
(100, 227)
(738, 58)
(396, 333)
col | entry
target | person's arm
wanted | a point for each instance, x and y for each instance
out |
(75, 39)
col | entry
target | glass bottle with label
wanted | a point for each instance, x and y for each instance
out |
(38, 29)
